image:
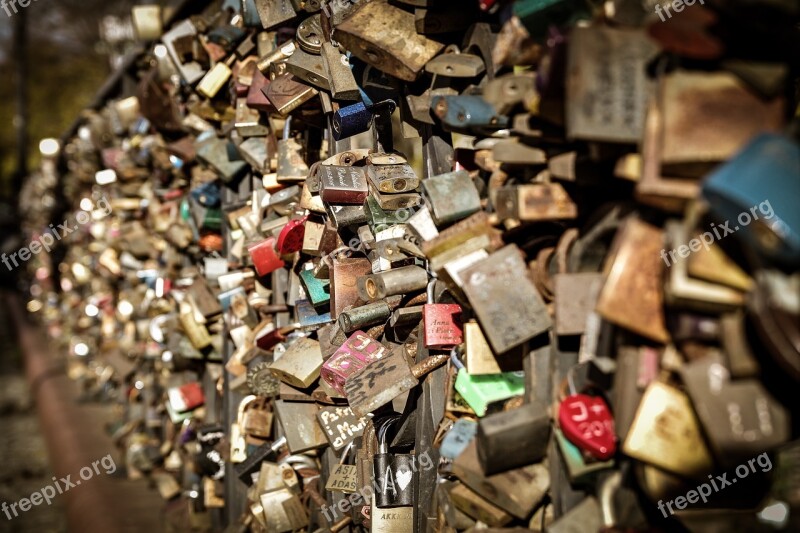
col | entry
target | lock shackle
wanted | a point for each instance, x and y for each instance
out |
(429, 290)
(346, 452)
(299, 461)
(243, 405)
(287, 127)
(606, 493)
(383, 446)
(455, 359)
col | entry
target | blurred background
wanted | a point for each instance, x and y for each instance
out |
(54, 57)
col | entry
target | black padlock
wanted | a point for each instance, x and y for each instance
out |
(512, 439)
(394, 474)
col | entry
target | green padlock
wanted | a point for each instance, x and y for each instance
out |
(480, 391)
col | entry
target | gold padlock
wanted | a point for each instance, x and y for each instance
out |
(258, 419)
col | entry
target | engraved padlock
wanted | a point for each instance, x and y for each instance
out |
(441, 323)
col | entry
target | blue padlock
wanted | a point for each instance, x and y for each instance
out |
(463, 112)
(351, 120)
(207, 194)
(757, 194)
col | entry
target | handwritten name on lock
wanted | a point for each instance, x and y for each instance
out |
(341, 425)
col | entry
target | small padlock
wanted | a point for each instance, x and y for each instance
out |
(587, 422)
(441, 323)
(265, 259)
(290, 239)
(394, 473)
(258, 419)
(344, 477)
(451, 196)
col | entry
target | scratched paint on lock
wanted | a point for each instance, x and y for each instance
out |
(379, 383)
(508, 306)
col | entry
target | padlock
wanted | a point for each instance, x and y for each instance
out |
(351, 120)
(343, 184)
(499, 283)
(666, 433)
(587, 422)
(517, 491)
(258, 419)
(631, 295)
(343, 275)
(394, 473)
(403, 280)
(595, 118)
(358, 351)
(300, 426)
(265, 258)
(441, 323)
(300, 364)
(364, 316)
(773, 233)
(186, 397)
(308, 68)
(343, 478)
(393, 178)
(291, 237)
(514, 438)
(740, 418)
(369, 29)
(286, 93)
(379, 382)
(283, 511)
(535, 202)
(480, 391)
(342, 82)
(341, 426)
(464, 113)
(451, 197)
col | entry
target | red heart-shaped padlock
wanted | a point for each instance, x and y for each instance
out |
(291, 238)
(587, 423)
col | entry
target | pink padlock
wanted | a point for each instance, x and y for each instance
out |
(358, 351)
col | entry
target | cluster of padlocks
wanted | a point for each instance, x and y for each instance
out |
(433, 266)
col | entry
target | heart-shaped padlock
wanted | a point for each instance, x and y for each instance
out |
(587, 423)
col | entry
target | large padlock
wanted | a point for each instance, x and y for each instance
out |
(514, 438)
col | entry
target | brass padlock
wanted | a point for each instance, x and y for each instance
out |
(258, 419)
(385, 37)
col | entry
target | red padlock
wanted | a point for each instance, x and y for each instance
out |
(587, 423)
(442, 324)
(186, 397)
(291, 238)
(265, 259)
